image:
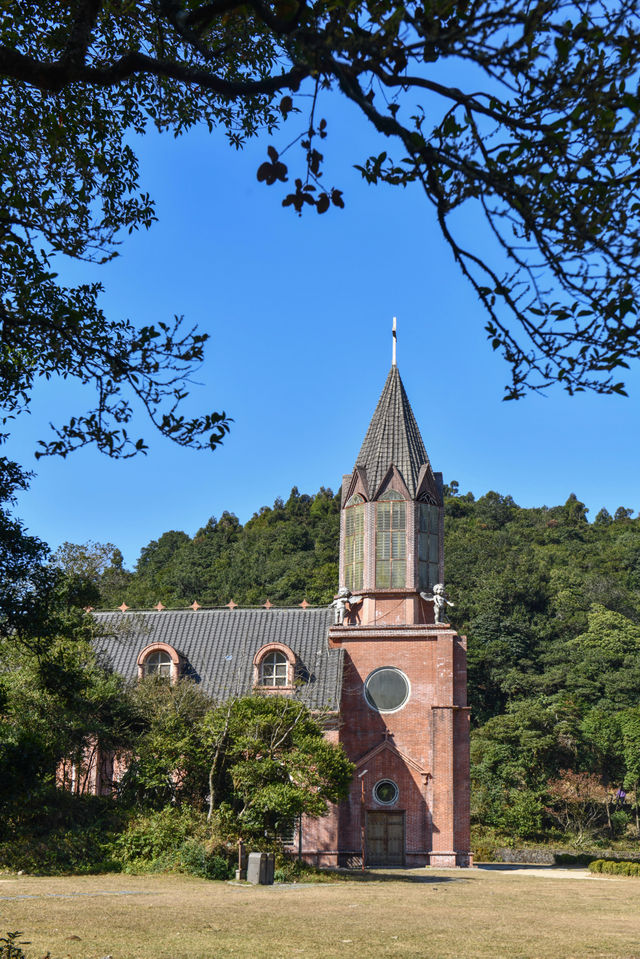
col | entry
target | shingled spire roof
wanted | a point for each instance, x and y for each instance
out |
(393, 437)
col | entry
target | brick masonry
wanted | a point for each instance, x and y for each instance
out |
(423, 747)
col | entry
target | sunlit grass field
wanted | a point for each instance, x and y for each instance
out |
(410, 913)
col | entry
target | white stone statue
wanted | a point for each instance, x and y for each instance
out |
(340, 603)
(440, 603)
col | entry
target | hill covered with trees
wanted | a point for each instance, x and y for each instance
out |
(550, 604)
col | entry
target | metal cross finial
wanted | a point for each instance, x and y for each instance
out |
(393, 356)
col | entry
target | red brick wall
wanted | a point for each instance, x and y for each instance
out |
(423, 747)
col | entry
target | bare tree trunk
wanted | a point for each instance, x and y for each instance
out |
(607, 806)
(214, 770)
(91, 757)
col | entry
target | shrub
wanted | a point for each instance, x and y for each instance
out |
(483, 852)
(295, 870)
(523, 815)
(178, 840)
(619, 822)
(61, 834)
(194, 858)
(611, 868)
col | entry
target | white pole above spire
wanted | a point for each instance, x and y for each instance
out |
(393, 355)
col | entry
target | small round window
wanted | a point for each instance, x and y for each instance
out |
(385, 792)
(386, 689)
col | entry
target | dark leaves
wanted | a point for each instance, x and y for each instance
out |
(323, 203)
(303, 196)
(286, 106)
(269, 172)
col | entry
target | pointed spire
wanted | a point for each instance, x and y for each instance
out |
(393, 438)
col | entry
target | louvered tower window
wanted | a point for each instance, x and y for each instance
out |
(428, 546)
(354, 542)
(391, 540)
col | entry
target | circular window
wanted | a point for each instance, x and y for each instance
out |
(385, 792)
(386, 689)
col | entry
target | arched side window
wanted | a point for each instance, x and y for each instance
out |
(354, 542)
(158, 664)
(391, 540)
(428, 546)
(159, 659)
(274, 668)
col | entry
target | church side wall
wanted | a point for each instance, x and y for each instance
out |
(320, 836)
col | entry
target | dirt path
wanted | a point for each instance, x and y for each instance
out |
(549, 872)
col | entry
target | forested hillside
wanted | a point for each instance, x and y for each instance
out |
(550, 604)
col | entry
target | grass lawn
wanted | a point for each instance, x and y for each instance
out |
(412, 913)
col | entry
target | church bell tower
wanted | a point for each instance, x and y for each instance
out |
(404, 715)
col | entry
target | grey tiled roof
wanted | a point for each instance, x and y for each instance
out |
(393, 437)
(218, 646)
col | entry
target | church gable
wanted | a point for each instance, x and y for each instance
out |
(392, 481)
(386, 746)
(355, 484)
(429, 490)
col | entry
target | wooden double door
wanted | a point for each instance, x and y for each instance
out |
(385, 839)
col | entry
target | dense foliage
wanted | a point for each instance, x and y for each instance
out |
(551, 606)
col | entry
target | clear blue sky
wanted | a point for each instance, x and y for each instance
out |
(299, 311)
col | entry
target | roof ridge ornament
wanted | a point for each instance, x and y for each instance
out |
(395, 340)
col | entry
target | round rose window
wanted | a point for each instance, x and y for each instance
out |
(385, 792)
(386, 689)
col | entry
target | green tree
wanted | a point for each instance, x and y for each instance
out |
(514, 755)
(601, 666)
(56, 709)
(269, 764)
(603, 516)
(25, 582)
(603, 737)
(98, 567)
(168, 764)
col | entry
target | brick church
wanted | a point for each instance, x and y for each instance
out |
(389, 682)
